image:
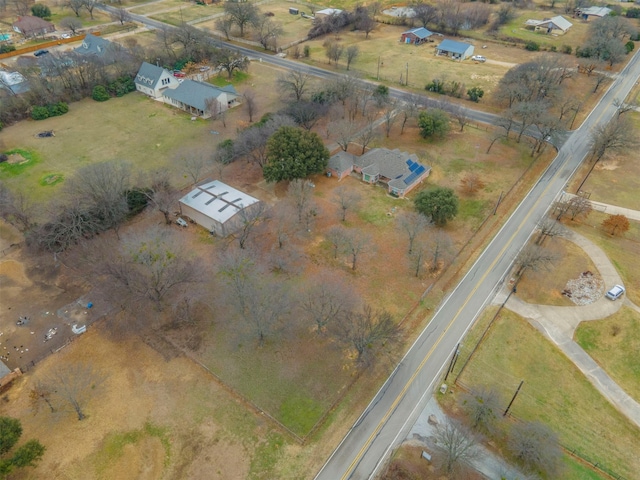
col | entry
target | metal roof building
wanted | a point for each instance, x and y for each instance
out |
(216, 206)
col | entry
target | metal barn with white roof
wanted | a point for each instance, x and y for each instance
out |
(216, 206)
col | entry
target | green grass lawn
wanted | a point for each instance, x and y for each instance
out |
(555, 392)
(184, 14)
(574, 37)
(614, 343)
(133, 128)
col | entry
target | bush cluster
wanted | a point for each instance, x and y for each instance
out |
(6, 48)
(51, 110)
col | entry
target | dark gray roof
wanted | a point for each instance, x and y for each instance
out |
(149, 75)
(402, 169)
(92, 45)
(341, 162)
(195, 94)
(453, 46)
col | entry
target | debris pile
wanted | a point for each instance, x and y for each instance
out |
(586, 289)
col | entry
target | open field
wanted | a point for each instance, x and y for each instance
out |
(184, 14)
(575, 37)
(622, 251)
(555, 392)
(148, 134)
(145, 8)
(614, 343)
(616, 178)
(545, 286)
(151, 419)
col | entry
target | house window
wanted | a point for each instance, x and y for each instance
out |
(165, 81)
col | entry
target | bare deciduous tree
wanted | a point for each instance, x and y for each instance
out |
(250, 103)
(295, 83)
(102, 188)
(344, 131)
(482, 406)
(300, 194)
(366, 331)
(367, 134)
(262, 302)
(41, 392)
(457, 446)
(440, 248)
(549, 227)
(352, 53)
(16, 209)
(121, 15)
(326, 300)
(74, 384)
(534, 257)
(347, 199)
(267, 33)
(536, 446)
(152, 266)
(356, 243)
(336, 236)
(162, 194)
(193, 161)
(250, 218)
(413, 224)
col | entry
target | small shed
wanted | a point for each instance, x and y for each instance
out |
(328, 12)
(455, 50)
(216, 206)
(341, 165)
(416, 36)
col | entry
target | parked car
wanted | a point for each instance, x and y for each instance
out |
(478, 58)
(65, 35)
(39, 53)
(179, 74)
(182, 222)
(616, 292)
(205, 68)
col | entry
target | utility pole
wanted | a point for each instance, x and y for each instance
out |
(498, 204)
(454, 357)
(378, 76)
(513, 399)
(406, 77)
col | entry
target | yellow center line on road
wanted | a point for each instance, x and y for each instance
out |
(400, 396)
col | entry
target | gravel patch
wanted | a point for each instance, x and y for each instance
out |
(585, 289)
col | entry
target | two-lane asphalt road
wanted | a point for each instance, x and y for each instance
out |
(388, 418)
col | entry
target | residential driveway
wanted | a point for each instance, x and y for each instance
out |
(487, 462)
(558, 324)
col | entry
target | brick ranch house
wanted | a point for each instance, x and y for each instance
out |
(398, 171)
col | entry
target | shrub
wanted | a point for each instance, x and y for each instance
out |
(121, 86)
(39, 113)
(40, 10)
(57, 109)
(3, 157)
(567, 49)
(553, 48)
(635, 37)
(475, 94)
(532, 46)
(436, 86)
(629, 46)
(100, 94)
(7, 48)
(433, 123)
(633, 13)
(307, 51)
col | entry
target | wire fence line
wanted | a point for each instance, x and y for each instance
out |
(566, 448)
